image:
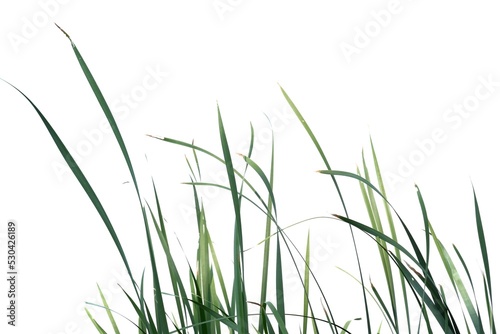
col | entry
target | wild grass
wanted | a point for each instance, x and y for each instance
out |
(206, 299)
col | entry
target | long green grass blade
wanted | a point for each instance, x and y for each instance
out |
(305, 307)
(159, 306)
(267, 244)
(221, 160)
(373, 212)
(83, 182)
(486, 263)
(280, 291)
(239, 294)
(108, 311)
(175, 279)
(264, 179)
(315, 141)
(105, 108)
(394, 235)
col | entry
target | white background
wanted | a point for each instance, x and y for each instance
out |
(398, 87)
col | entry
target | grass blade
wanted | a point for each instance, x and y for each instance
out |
(97, 326)
(108, 311)
(239, 294)
(486, 263)
(84, 184)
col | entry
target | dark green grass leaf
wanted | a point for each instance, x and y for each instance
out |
(239, 294)
(83, 182)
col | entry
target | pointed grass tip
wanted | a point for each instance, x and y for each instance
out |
(64, 32)
(156, 137)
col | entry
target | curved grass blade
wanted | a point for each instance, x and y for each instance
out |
(105, 108)
(316, 143)
(264, 179)
(84, 184)
(221, 160)
(264, 211)
(159, 306)
(327, 164)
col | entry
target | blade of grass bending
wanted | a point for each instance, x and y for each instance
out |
(239, 294)
(418, 253)
(315, 141)
(435, 302)
(84, 184)
(221, 160)
(392, 229)
(160, 314)
(208, 184)
(264, 179)
(419, 259)
(105, 109)
(104, 106)
(327, 164)
(486, 262)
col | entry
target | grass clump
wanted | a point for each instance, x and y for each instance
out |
(208, 300)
